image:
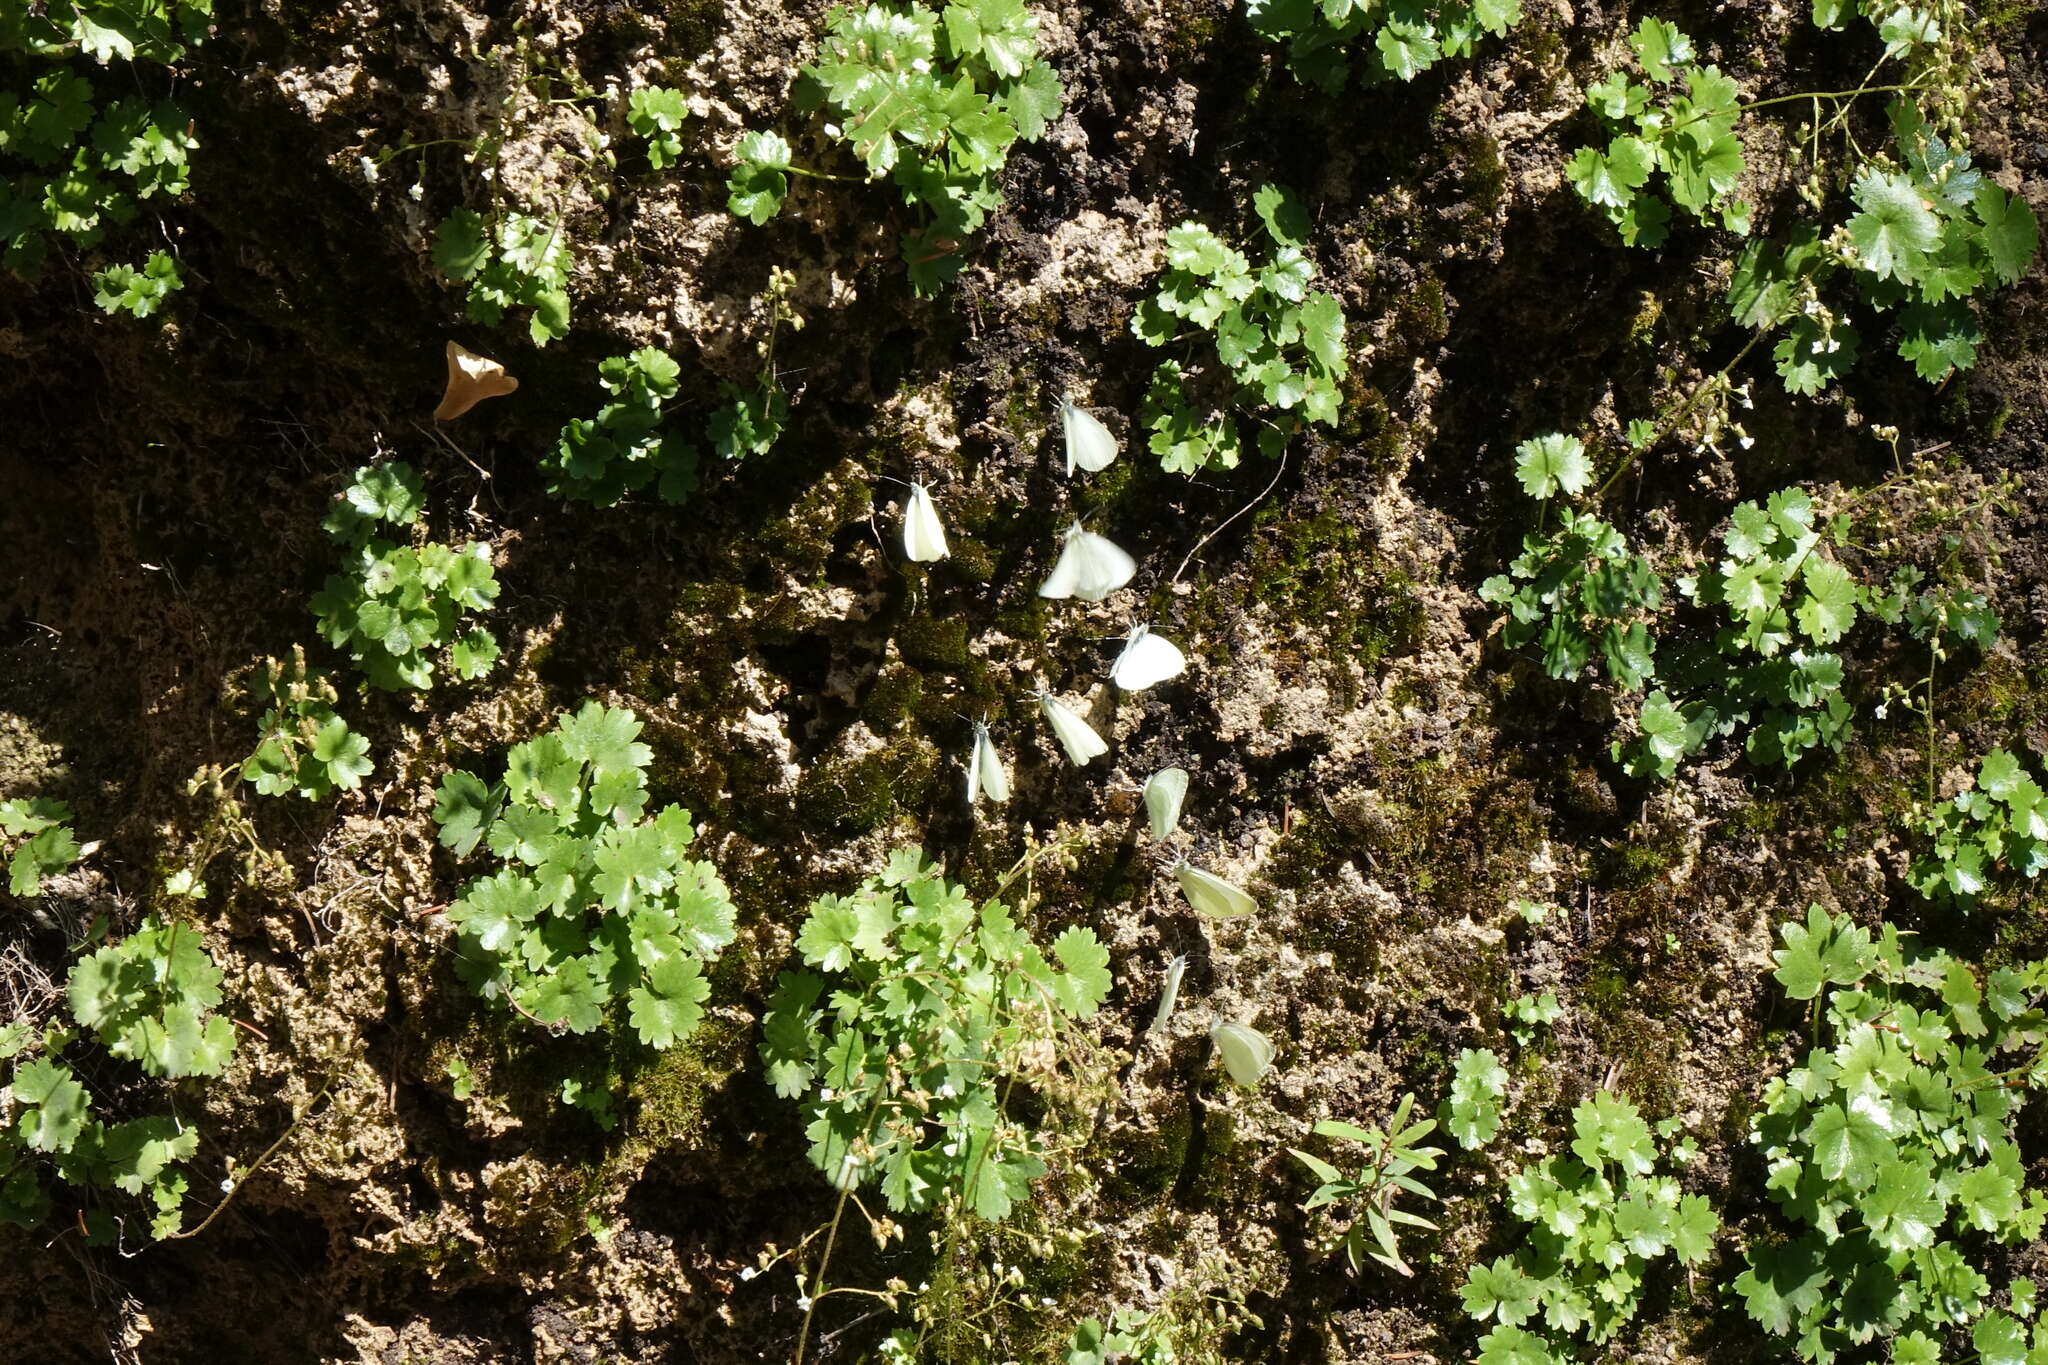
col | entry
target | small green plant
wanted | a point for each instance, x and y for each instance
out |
(1892, 1149)
(1191, 1325)
(1529, 1016)
(1471, 1112)
(1597, 1221)
(391, 604)
(1364, 1203)
(1999, 825)
(934, 1010)
(138, 293)
(626, 447)
(1681, 144)
(306, 747)
(83, 145)
(510, 260)
(1769, 668)
(751, 419)
(47, 846)
(1278, 346)
(596, 904)
(1327, 40)
(1577, 589)
(148, 998)
(656, 113)
(931, 101)
(1929, 231)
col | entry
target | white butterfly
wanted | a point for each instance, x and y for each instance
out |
(924, 535)
(1169, 993)
(1210, 894)
(1164, 791)
(1089, 567)
(1075, 735)
(1146, 659)
(1247, 1053)
(985, 769)
(1090, 445)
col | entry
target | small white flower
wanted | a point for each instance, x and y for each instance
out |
(921, 66)
(489, 173)
(803, 1303)
(1747, 440)
(419, 188)
(831, 130)
(369, 170)
(748, 1272)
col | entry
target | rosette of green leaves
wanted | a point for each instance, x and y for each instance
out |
(1327, 40)
(512, 260)
(1672, 141)
(1928, 233)
(306, 747)
(1892, 1149)
(1277, 345)
(1597, 1221)
(148, 998)
(1768, 669)
(657, 113)
(1999, 826)
(138, 293)
(930, 100)
(82, 145)
(905, 1045)
(47, 845)
(392, 604)
(1576, 589)
(596, 904)
(625, 448)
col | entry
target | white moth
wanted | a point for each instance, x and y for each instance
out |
(1090, 445)
(985, 769)
(1146, 659)
(924, 535)
(1210, 894)
(1164, 791)
(1075, 735)
(1247, 1053)
(1089, 567)
(1169, 993)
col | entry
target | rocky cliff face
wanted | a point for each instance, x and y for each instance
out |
(1364, 752)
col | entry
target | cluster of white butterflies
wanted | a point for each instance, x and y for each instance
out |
(1091, 567)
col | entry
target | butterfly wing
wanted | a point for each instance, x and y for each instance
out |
(1164, 792)
(1075, 735)
(1147, 659)
(1211, 895)
(988, 772)
(924, 535)
(1065, 577)
(1101, 567)
(1247, 1053)
(1090, 445)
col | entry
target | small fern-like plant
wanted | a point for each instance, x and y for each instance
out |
(43, 842)
(1328, 40)
(929, 101)
(596, 905)
(922, 1014)
(1277, 346)
(1894, 1149)
(148, 998)
(392, 605)
(306, 747)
